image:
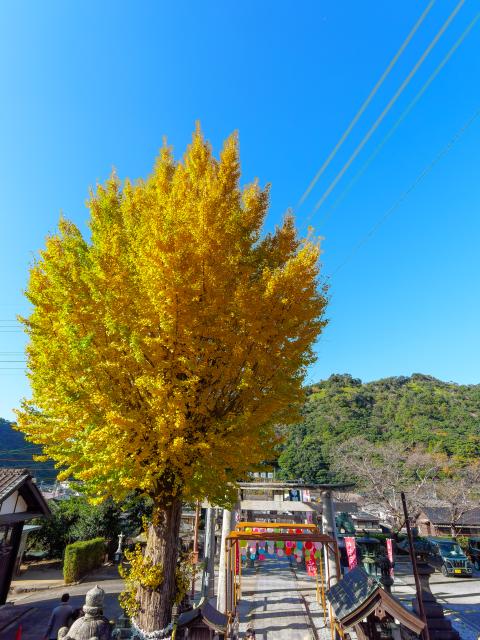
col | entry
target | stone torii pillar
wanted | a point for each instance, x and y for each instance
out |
(208, 579)
(228, 524)
(329, 528)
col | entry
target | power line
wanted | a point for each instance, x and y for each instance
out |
(400, 119)
(421, 176)
(348, 130)
(390, 104)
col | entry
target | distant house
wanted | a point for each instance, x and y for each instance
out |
(367, 522)
(20, 501)
(436, 521)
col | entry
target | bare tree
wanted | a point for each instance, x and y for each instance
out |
(381, 472)
(459, 492)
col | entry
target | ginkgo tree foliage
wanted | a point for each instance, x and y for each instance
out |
(165, 346)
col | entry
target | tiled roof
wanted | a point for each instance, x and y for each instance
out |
(351, 592)
(10, 479)
(441, 515)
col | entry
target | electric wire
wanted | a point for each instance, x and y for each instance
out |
(420, 177)
(390, 104)
(370, 97)
(402, 117)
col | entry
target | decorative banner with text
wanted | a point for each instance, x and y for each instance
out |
(390, 553)
(351, 550)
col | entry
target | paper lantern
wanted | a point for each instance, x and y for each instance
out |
(299, 544)
(243, 543)
(317, 555)
(280, 544)
(288, 551)
(289, 544)
(279, 553)
(261, 556)
(308, 544)
(299, 558)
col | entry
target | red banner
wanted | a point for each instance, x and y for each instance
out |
(237, 559)
(351, 550)
(311, 566)
(390, 553)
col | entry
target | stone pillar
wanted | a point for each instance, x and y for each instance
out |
(330, 529)
(228, 523)
(439, 627)
(208, 579)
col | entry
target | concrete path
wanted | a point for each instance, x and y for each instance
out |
(278, 608)
(33, 577)
(460, 597)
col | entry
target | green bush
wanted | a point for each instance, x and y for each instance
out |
(463, 542)
(81, 557)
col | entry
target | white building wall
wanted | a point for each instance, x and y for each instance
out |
(13, 504)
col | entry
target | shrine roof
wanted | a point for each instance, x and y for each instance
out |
(357, 595)
(210, 616)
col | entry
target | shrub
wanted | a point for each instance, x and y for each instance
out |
(81, 557)
(463, 542)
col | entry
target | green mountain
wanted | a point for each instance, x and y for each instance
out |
(16, 452)
(419, 409)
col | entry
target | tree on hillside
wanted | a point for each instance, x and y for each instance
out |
(165, 346)
(383, 471)
(303, 459)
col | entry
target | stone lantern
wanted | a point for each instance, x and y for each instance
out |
(93, 624)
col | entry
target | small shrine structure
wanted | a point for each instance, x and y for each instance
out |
(360, 603)
(204, 622)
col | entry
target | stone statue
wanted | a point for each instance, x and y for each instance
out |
(93, 625)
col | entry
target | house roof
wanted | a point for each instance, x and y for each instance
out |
(20, 480)
(441, 515)
(10, 480)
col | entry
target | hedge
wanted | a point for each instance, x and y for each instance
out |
(81, 557)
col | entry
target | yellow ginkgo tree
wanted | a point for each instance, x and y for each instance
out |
(165, 346)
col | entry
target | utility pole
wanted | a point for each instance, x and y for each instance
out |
(425, 633)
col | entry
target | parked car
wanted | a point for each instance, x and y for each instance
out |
(474, 551)
(447, 555)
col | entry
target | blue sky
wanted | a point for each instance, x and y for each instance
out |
(86, 86)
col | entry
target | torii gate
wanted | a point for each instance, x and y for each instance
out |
(278, 534)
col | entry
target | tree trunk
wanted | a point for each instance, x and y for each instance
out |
(162, 548)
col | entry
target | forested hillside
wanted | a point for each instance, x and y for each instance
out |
(16, 452)
(419, 409)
